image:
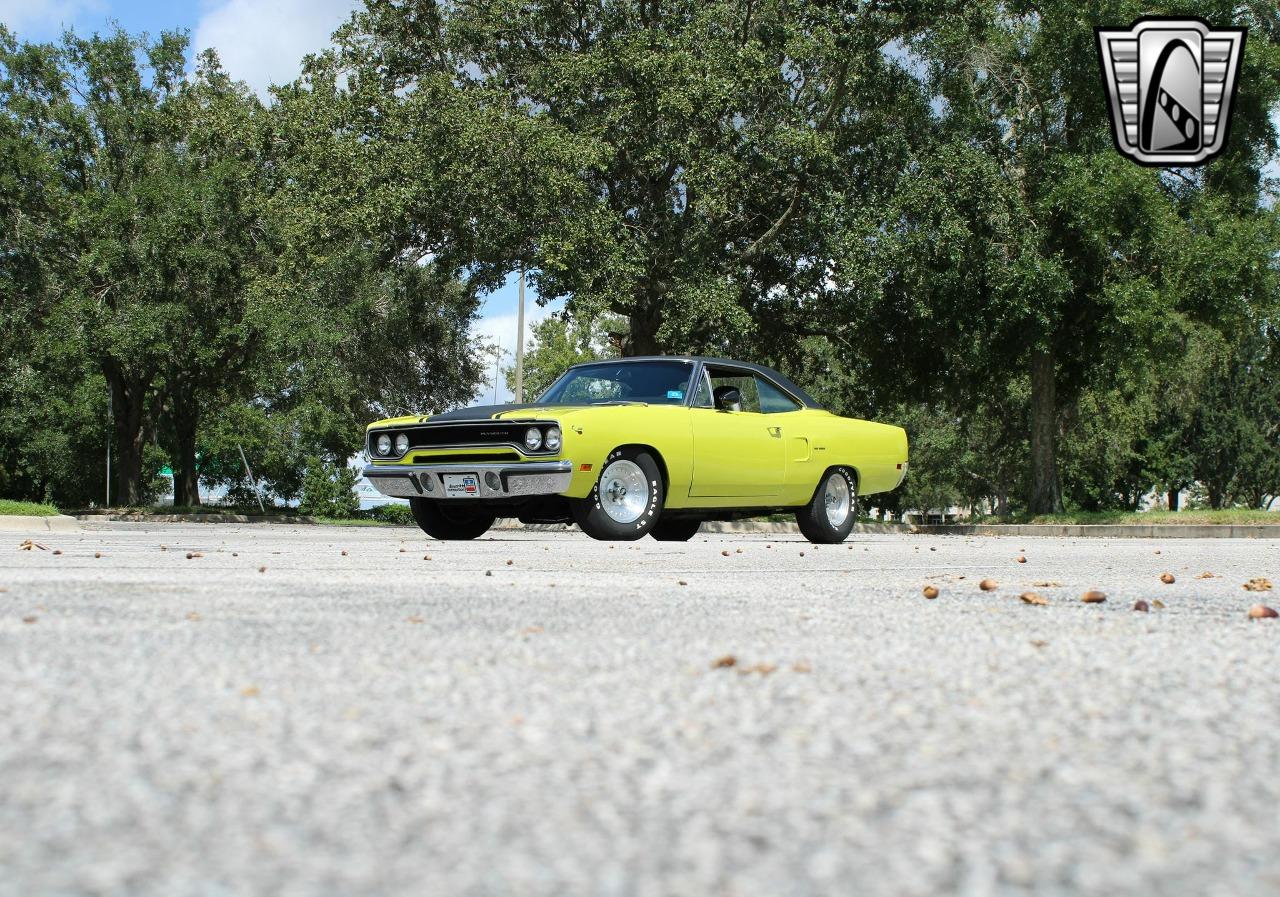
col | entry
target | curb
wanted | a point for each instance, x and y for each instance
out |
(1107, 530)
(194, 518)
(23, 524)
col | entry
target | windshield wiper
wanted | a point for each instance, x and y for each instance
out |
(620, 402)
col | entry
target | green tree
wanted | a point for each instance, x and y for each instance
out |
(1020, 241)
(675, 164)
(559, 343)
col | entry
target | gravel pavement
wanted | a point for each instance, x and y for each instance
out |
(540, 714)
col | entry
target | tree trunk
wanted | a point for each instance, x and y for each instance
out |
(1002, 504)
(128, 400)
(1045, 495)
(186, 479)
(643, 338)
(1175, 496)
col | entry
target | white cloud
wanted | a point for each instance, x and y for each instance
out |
(43, 14)
(263, 43)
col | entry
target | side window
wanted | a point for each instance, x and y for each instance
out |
(745, 384)
(774, 400)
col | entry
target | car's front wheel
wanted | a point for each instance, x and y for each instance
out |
(828, 517)
(626, 500)
(450, 520)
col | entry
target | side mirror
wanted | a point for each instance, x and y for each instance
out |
(728, 398)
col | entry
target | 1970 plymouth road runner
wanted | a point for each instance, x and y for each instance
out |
(639, 446)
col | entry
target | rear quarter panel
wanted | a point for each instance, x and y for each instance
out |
(878, 452)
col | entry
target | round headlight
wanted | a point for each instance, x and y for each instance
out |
(533, 439)
(402, 443)
(383, 445)
(553, 439)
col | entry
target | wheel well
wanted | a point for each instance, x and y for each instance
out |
(657, 457)
(857, 477)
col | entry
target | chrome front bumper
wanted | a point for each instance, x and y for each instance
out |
(512, 480)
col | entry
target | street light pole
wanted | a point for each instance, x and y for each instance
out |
(520, 344)
(497, 359)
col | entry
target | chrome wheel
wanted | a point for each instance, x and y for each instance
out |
(838, 500)
(624, 491)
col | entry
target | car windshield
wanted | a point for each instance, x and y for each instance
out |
(651, 382)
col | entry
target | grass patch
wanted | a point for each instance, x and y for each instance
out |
(9, 508)
(355, 521)
(1229, 517)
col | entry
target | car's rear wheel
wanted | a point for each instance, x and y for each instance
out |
(626, 500)
(450, 520)
(828, 517)
(677, 530)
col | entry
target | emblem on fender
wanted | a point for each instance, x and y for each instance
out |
(1170, 83)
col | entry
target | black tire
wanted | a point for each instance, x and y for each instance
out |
(616, 524)
(815, 522)
(681, 529)
(446, 521)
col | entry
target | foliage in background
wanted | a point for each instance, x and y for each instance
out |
(559, 342)
(328, 490)
(915, 211)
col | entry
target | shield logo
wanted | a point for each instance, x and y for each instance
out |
(1170, 83)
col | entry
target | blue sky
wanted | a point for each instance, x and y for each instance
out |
(260, 42)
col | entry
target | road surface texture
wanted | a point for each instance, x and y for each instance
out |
(325, 711)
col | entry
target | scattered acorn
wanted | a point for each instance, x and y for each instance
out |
(1141, 606)
(1167, 578)
(930, 592)
(988, 585)
(1093, 596)
(262, 569)
(1022, 559)
(1258, 584)
(724, 553)
(724, 662)
(1262, 612)
(1034, 599)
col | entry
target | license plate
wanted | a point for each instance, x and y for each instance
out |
(461, 485)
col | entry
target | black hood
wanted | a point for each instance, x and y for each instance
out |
(480, 412)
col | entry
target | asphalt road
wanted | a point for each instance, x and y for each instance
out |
(539, 714)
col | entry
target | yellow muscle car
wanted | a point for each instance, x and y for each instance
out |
(639, 446)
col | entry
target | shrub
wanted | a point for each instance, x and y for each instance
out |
(400, 515)
(329, 490)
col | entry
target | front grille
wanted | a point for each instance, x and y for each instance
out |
(463, 457)
(470, 434)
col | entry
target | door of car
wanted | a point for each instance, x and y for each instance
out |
(736, 453)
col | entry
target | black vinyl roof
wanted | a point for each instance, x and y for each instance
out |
(768, 373)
